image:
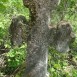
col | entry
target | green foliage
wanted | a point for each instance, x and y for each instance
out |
(15, 57)
(2, 7)
(8, 9)
(4, 0)
(58, 65)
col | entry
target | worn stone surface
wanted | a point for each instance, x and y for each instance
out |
(17, 30)
(64, 36)
(2, 61)
(37, 50)
(41, 36)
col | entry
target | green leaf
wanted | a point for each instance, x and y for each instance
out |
(3, 0)
(2, 7)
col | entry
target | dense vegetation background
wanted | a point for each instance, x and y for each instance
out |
(59, 64)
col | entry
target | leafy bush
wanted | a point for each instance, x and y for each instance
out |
(16, 57)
